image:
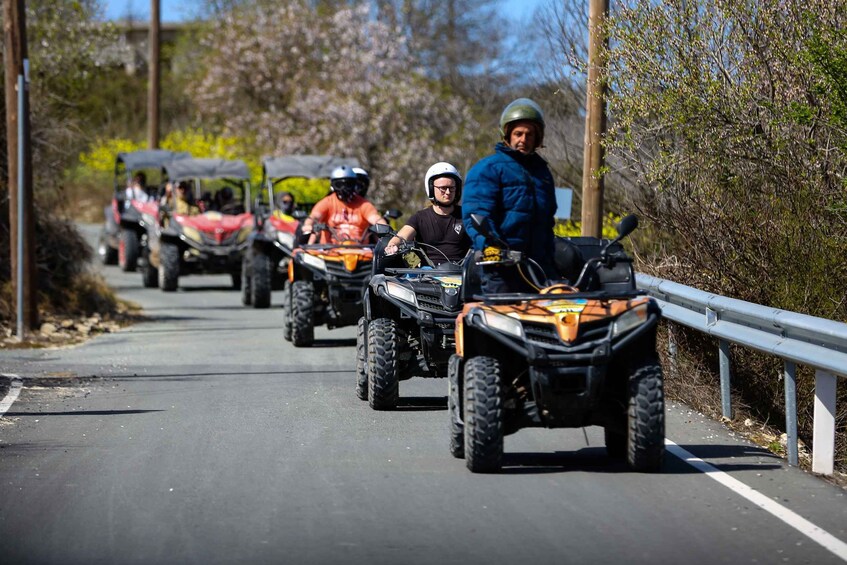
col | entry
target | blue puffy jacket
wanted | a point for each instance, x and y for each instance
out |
(516, 192)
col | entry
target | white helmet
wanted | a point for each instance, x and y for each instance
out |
(439, 170)
(344, 183)
(364, 180)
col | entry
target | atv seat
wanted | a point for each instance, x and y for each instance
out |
(619, 278)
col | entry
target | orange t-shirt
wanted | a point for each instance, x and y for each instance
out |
(349, 220)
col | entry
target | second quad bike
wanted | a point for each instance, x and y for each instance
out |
(273, 239)
(212, 237)
(325, 285)
(567, 356)
(410, 310)
(123, 238)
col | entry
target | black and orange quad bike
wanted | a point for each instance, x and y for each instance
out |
(568, 356)
(410, 309)
(325, 286)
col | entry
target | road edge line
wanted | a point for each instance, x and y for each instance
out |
(802, 525)
(14, 391)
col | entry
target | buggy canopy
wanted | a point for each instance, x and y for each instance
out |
(149, 159)
(305, 166)
(186, 169)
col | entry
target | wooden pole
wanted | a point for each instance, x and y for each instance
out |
(595, 122)
(154, 77)
(15, 49)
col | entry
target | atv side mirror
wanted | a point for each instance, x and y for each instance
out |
(380, 229)
(627, 225)
(393, 214)
(480, 222)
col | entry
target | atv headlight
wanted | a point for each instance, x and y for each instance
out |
(312, 261)
(503, 323)
(192, 234)
(629, 320)
(400, 292)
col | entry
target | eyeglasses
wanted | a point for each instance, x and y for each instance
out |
(445, 188)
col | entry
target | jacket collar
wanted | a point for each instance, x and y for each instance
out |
(501, 147)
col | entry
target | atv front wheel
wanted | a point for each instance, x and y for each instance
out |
(168, 266)
(286, 311)
(149, 273)
(383, 363)
(129, 249)
(646, 418)
(108, 254)
(454, 407)
(236, 280)
(302, 314)
(483, 415)
(261, 289)
(362, 359)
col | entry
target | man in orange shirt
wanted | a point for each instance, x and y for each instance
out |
(344, 211)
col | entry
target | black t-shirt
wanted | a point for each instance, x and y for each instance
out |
(444, 232)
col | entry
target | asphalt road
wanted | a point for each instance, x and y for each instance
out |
(202, 436)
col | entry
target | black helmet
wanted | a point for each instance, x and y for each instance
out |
(344, 183)
(226, 194)
(522, 109)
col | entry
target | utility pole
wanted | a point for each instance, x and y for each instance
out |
(154, 75)
(19, 151)
(595, 121)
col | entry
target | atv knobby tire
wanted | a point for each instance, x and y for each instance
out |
(236, 280)
(108, 254)
(149, 273)
(383, 356)
(483, 415)
(646, 418)
(129, 250)
(454, 406)
(362, 359)
(168, 266)
(286, 311)
(302, 314)
(261, 280)
(246, 281)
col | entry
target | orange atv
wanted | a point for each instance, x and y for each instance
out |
(567, 356)
(325, 285)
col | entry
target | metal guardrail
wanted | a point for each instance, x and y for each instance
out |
(798, 339)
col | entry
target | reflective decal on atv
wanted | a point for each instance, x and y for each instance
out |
(449, 282)
(562, 306)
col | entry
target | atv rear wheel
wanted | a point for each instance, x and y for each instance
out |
(236, 280)
(302, 314)
(246, 282)
(149, 273)
(168, 266)
(362, 359)
(108, 254)
(383, 356)
(646, 417)
(128, 251)
(261, 289)
(454, 407)
(483, 415)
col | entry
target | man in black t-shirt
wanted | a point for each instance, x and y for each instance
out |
(439, 225)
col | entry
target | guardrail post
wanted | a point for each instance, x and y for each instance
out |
(823, 440)
(790, 374)
(726, 395)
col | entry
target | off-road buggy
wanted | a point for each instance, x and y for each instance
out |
(571, 355)
(325, 285)
(123, 237)
(274, 235)
(211, 241)
(410, 309)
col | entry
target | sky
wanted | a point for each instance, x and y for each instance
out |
(178, 10)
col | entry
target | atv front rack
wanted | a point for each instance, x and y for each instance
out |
(510, 297)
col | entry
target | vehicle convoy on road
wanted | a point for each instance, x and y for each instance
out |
(272, 241)
(579, 352)
(122, 240)
(410, 310)
(205, 233)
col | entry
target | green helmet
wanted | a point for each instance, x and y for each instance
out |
(522, 109)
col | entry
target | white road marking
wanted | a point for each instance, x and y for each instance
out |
(805, 527)
(12, 395)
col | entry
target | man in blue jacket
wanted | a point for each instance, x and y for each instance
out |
(514, 189)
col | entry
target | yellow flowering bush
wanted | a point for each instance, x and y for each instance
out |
(571, 228)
